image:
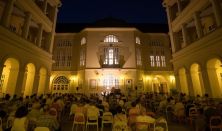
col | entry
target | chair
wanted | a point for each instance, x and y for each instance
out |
(29, 106)
(132, 119)
(215, 122)
(92, 120)
(53, 112)
(169, 109)
(120, 126)
(41, 129)
(143, 126)
(107, 118)
(193, 113)
(161, 122)
(79, 119)
(180, 115)
(10, 121)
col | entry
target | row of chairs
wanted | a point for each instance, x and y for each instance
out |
(79, 119)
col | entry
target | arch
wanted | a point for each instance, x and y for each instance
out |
(29, 79)
(111, 38)
(61, 84)
(214, 71)
(197, 80)
(42, 81)
(160, 84)
(9, 76)
(183, 81)
(138, 40)
(83, 41)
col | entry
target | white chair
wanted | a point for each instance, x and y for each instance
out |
(92, 120)
(193, 113)
(161, 122)
(107, 118)
(41, 129)
(79, 119)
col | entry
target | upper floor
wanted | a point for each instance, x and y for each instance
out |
(111, 48)
(31, 20)
(192, 20)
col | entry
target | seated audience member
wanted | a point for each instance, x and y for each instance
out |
(120, 121)
(133, 113)
(21, 120)
(142, 119)
(47, 120)
(92, 110)
(35, 111)
(177, 108)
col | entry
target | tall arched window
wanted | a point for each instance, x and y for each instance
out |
(83, 41)
(111, 38)
(61, 83)
(111, 54)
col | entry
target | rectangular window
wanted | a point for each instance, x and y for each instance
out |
(157, 61)
(152, 61)
(138, 57)
(82, 57)
(163, 61)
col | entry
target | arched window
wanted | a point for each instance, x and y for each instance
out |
(61, 83)
(138, 40)
(111, 38)
(83, 41)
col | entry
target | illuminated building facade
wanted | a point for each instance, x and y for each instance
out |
(195, 33)
(96, 59)
(27, 29)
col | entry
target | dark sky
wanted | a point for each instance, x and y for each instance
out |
(132, 11)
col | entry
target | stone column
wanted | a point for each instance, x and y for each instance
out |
(47, 83)
(206, 81)
(36, 83)
(21, 80)
(185, 37)
(217, 11)
(179, 6)
(198, 24)
(52, 33)
(45, 6)
(25, 30)
(39, 36)
(7, 12)
(189, 84)
(172, 41)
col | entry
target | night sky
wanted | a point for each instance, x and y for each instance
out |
(132, 11)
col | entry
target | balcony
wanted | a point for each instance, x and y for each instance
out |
(120, 64)
(37, 14)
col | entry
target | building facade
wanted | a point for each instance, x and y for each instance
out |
(95, 60)
(196, 40)
(27, 29)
